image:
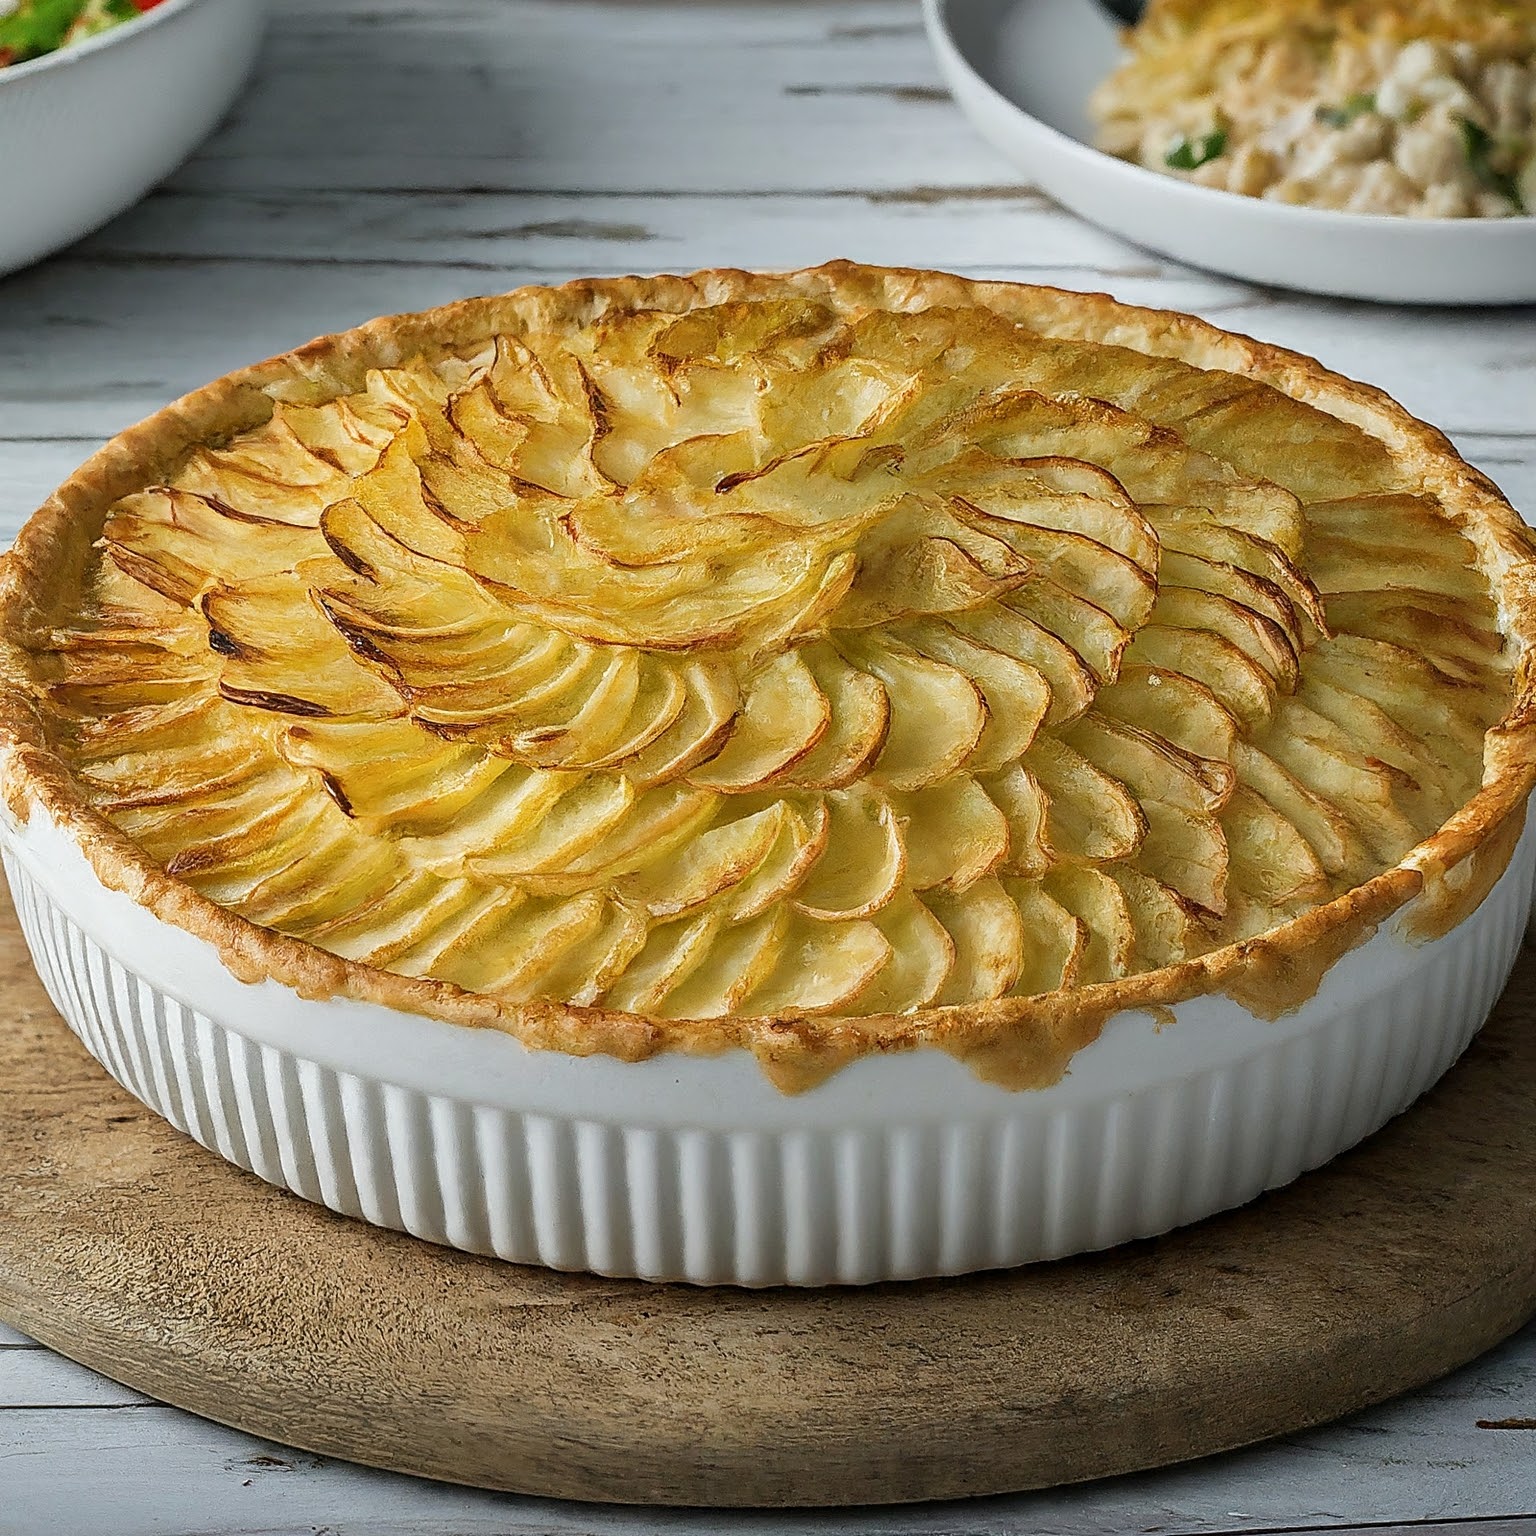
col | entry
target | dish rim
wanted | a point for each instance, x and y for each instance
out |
(1451, 868)
(936, 14)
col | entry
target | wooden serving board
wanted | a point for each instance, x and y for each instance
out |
(129, 1248)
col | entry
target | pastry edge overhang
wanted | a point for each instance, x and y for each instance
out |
(1016, 1043)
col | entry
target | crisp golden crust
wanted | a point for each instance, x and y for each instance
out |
(1237, 865)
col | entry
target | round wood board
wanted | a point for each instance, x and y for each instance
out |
(129, 1248)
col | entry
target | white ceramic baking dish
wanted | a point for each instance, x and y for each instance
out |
(695, 1167)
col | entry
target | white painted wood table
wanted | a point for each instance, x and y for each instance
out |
(393, 155)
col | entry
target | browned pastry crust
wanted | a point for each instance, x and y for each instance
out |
(1016, 1041)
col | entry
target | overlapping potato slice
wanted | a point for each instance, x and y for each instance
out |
(779, 656)
(937, 713)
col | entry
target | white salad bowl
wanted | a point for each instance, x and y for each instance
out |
(1022, 71)
(88, 130)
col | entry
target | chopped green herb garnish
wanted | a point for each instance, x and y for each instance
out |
(1186, 154)
(1480, 149)
(1347, 110)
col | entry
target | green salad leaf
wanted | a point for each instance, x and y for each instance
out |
(1187, 154)
(37, 27)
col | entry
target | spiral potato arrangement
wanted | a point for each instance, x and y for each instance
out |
(779, 656)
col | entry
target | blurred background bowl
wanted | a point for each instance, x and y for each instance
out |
(86, 131)
(1022, 71)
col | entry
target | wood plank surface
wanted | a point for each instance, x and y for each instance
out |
(153, 1470)
(124, 332)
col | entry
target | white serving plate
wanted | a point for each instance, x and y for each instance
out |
(85, 132)
(696, 1168)
(1022, 70)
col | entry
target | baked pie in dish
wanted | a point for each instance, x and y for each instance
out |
(798, 778)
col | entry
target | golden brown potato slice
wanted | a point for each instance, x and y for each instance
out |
(1150, 766)
(511, 947)
(802, 840)
(741, 959)
(1100, 906)
(711, 862)
(1260, 639)
(663, 820)
(1016, 693)
(1372, 543)
(1185, 713)
(671, 954)
(1272, 864)
(280, 653)
(1154, 466)
(590, 733)
(863, 863)
(585, 971)
(1071, 684)
(922, 954)
(954, 834)
(937, 713)
(1411, 689)
(920, 558)
(1338, 846)
(171, 775)
(1327, 760)
(1236, 585)
(395, 496)
(1460, 638)
(1096, 637)
(1169, 927)
(548, 686)
(1245, 689)
(711, 707)
(502, 816)
(1055, 940)
(340, 870)
(661, 694)
(1054, 492)
(273, 472)
(177, 543)
(1433, 782)
(822, 968)
(347, 434)
(182, 727)
(860, 717)
(1195, 531)
(582, 817)
(461, 907)
(1090, 816)
(1018, 795)
(227, 847)
(990, 939)
(783, 717)
(1188, 851)
(391, 775)
(1112, 581)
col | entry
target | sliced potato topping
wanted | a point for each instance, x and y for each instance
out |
(776, 658)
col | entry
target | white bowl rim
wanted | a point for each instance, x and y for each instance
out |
(10, 74)
(936, 14)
